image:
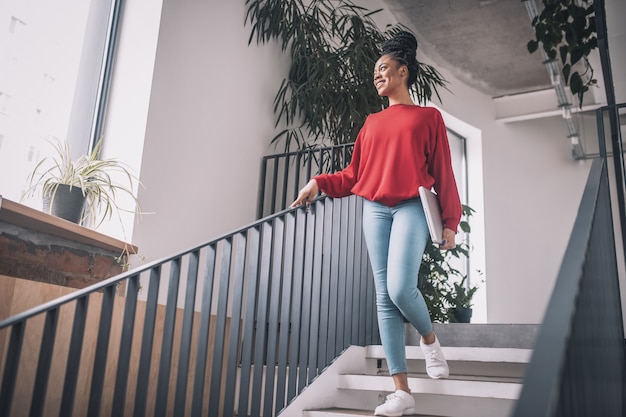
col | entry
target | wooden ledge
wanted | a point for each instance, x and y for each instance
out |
(29, 218)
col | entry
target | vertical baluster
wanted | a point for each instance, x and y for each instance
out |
(220, 327)
(286, 169)
(307, 283)
(316, 296)
(235, 325)
(167, 340)
(349, 294)
(276, 162)
(296, 306)
(126, 343)
(180, 396)
(276, 329)
(147, 339)
(298, 168)
(327, 248)
(334, 282)
(249, 322)
(74, 357)
(261, 319)
(11, 366)
(102, 347)
(44, 361)
(260, 209)
(203, 332)
(342, 275)
(361, 268)
(285, 325)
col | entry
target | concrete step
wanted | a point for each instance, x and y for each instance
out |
(472, 354)
(486, 397)
(465, 361)
(477, 388)
(339, 412)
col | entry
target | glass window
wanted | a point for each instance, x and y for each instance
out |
(53, 55)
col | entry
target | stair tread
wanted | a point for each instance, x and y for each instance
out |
(456, 387)
(460, 377)
(339, 412)
(476, 354)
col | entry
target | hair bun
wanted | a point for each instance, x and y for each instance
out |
(402, 41)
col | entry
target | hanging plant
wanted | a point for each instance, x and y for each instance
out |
(567, 29)
(334, 45)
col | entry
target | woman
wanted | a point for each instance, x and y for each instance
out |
(397, 150)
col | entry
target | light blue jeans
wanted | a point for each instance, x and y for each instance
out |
(396, 238)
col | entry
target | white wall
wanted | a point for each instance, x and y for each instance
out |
(209, 123)
(210, 119)
(532, 189)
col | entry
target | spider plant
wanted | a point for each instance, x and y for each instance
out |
(96, 178)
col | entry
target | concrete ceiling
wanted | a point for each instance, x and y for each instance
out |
(482, 42)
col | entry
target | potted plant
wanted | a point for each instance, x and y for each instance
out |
(566, 29)
(83, 190)
(459, 299)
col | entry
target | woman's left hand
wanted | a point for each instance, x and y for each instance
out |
(448, 239)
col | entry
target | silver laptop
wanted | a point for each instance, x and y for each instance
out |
(432, 209)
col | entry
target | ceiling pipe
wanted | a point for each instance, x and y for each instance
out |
(565, 104)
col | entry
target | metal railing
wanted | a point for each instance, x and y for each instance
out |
(282, 175)
(276, 302)
(614, 147)
(578, 366)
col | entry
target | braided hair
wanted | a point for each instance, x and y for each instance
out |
(402, 48)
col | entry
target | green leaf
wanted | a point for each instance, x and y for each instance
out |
(566, 70)
(576, 55)
(532, 46)
(563, 51)
(576, 83)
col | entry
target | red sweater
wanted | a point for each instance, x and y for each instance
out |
(397, 150)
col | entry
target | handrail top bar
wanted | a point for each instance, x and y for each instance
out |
(608, 107)
(57, 302)
(311, 149)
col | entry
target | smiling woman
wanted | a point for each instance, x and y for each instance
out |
(54, 69)
(398, 150)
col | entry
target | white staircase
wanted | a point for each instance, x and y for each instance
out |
(485, 381)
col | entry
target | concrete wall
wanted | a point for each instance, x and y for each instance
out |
(210, 120)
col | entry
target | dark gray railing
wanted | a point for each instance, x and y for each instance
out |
(237, 326)
(282, 175)
(578, 366)
(614, 144)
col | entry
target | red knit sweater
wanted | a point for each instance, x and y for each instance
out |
(397, 150)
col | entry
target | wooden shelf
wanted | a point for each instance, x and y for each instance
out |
(29, 218)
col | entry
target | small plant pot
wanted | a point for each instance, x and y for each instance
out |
(68, 203)
(462, 315)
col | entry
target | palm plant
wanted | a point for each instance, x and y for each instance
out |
(334, 45)
(328, 94)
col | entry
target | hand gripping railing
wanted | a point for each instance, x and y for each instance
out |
(236, 326)
(282, 175)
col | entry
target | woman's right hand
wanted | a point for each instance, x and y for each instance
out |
(306, 194)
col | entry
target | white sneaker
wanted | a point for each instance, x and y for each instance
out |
(436, 365)
(398, 404)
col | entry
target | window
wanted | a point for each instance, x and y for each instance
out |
(54, 55)
(458, 155)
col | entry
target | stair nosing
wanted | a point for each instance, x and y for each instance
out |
(454, 387)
